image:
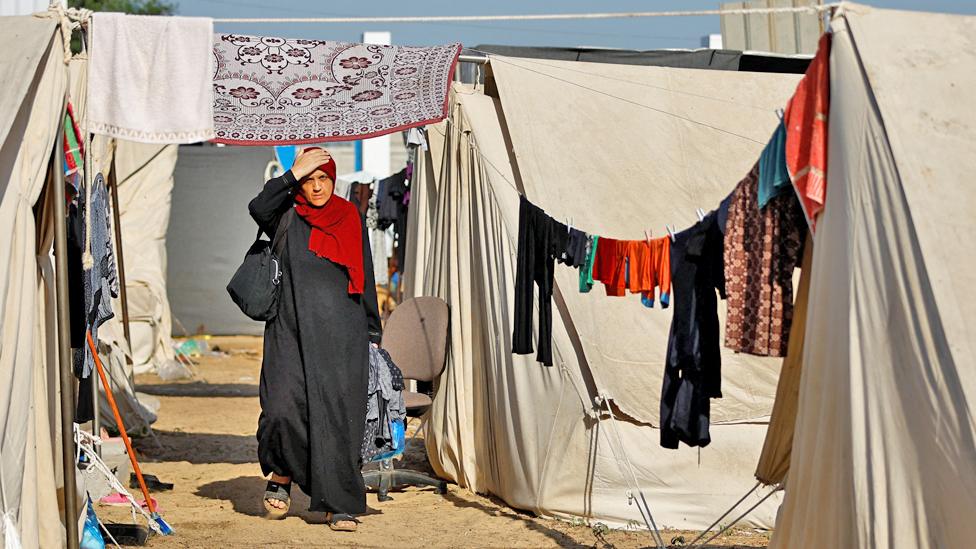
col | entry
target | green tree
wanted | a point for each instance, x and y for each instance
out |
(136, 7)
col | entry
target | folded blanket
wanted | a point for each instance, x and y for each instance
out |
(150, 79)
(270, 90)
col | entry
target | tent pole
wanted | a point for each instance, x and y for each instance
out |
(113, 184)
(821, 15)
(67, 380)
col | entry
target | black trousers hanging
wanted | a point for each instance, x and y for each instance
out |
(541, 239)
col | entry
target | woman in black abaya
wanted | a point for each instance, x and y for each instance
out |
(314, 375)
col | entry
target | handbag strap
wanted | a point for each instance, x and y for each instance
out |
(281, 232)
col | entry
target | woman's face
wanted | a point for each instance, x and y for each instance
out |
(317, 188)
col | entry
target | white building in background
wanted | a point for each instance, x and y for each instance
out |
(375, 152)
(712, 41)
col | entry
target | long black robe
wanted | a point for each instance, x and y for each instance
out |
(315, 370)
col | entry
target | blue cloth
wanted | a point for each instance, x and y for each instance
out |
(91, 534)
(648, 300)
(774, 179)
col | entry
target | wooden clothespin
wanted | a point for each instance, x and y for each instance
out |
(701, 214)
(671, 231)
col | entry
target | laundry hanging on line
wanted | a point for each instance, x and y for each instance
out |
(385, 204)
(255, 90)
(272, 90)
(74, 145)
(93, 279)
(693, 266)
(774, 177)
(390, 199)
(635, 266)
(745, 252)
(805, 118)
(693, 366)
(762, 248)
(540, 240)
(150, 79)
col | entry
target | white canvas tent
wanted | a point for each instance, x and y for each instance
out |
(884, 437)
(31, 102)
(884, 453)
(620, 150)
(39, 81)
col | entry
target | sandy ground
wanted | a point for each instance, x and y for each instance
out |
(206, 430)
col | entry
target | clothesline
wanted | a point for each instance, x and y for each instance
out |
(506, 180)
(533, 17)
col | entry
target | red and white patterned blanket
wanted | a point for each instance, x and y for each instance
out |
(270, 90)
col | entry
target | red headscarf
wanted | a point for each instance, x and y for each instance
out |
(336, 232)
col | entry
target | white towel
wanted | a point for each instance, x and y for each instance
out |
(150, 78)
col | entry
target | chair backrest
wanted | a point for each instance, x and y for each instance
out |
(415, 335)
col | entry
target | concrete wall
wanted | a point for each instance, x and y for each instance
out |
(785, 33)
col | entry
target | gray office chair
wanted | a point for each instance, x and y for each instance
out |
(415, 335)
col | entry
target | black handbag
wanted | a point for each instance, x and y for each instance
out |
(255, 285)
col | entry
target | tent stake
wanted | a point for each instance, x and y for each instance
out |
(66, 377)
(113, 184)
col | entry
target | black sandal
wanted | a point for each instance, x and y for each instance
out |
(334, 520)
(280, 492)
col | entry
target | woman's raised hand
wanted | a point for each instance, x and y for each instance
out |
(308, 161)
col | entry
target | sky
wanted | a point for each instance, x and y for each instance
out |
(639, 34)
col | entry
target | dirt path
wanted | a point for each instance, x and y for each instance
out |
(206, 429)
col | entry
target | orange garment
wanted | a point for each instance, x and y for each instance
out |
(609, 266)
(650, 269)
(638, 266)
(805, 119)
(661, 262)
(641, 275)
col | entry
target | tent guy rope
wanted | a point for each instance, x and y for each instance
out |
(534, 17)
(725, 514)
(739, 518)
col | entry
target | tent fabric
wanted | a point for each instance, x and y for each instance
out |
(420, 217)
(29, 37)
(145, 177)
(774, 461)
(31, 107)
(504, 424)
(884, 446)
